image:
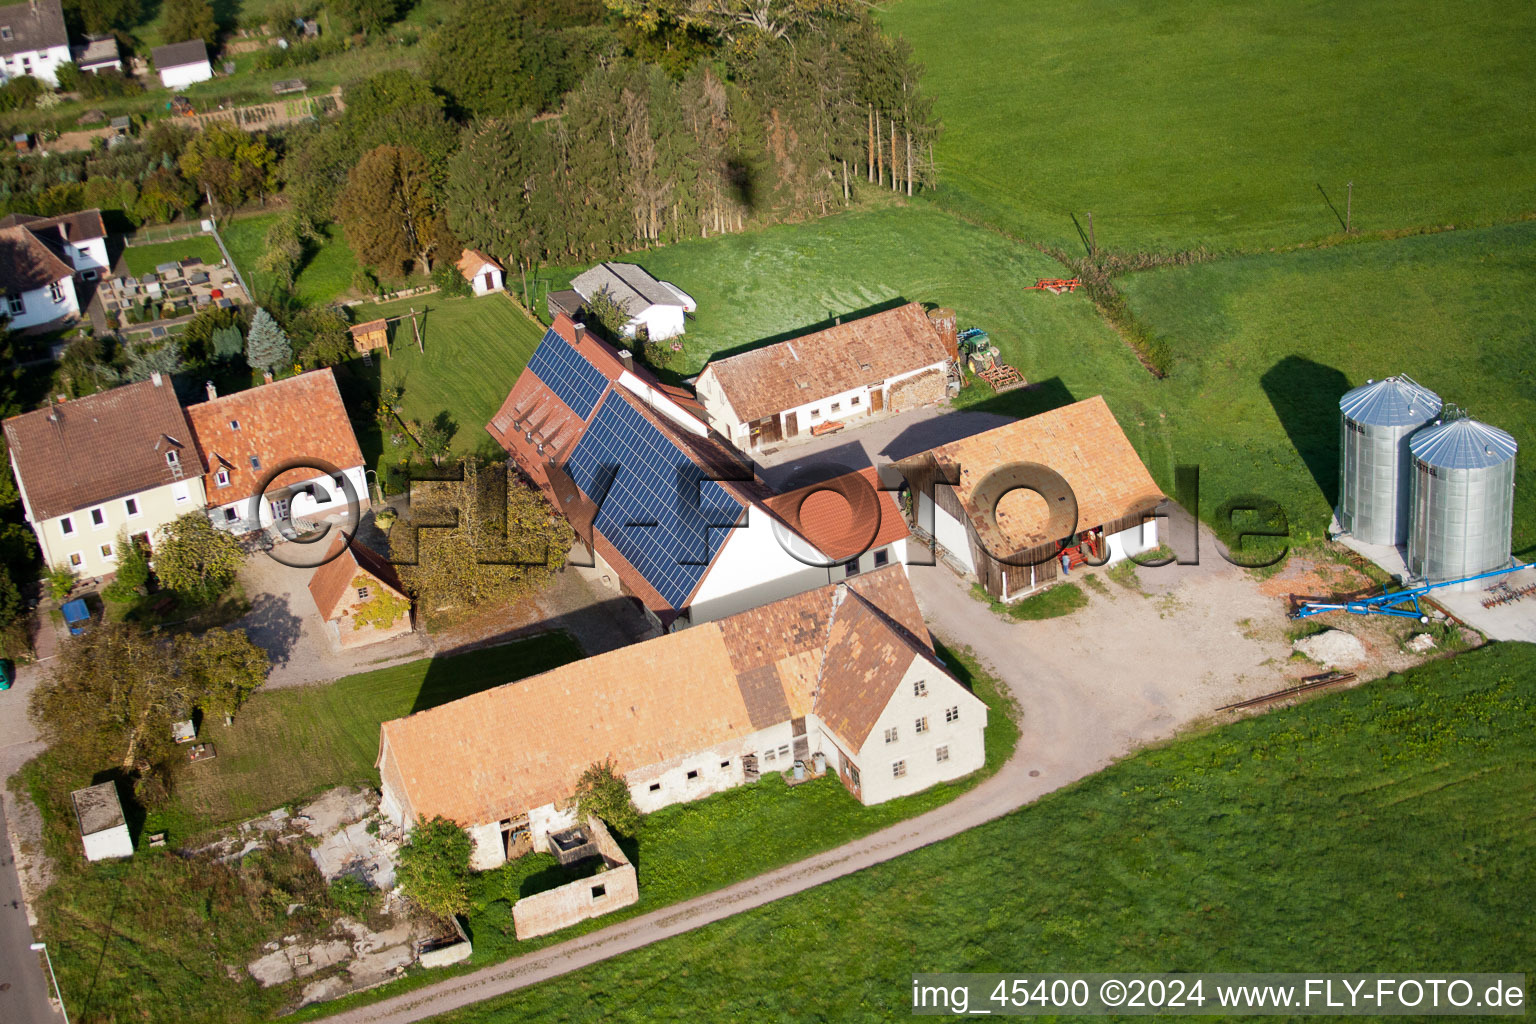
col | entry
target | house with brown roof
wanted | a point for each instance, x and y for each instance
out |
(483, 273)
(845, 671)
(666, 511)
(79, 238)
(885, 362)
(118, 463)
(40, 258)
(358, 594)
(1020, 497)
(33, 40)
(244, 436)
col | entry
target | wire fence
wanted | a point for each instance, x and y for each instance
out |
(151, 234)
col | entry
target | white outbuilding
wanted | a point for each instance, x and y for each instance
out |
(102, 825)
(181, 64)
(656, 308)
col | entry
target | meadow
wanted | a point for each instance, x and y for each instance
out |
(325, 274)
(143, 259)
(1385, 828)
(1181, 124)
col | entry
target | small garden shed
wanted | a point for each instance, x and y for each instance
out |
(359, 595)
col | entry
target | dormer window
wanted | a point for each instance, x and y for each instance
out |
(5, 32)
(221, 478)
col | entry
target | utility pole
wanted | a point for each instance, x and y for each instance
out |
(1349, 199)
(1093, 245)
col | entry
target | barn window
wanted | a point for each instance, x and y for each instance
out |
(899, 770)
(768, 755)
(953, 714)
(941, 754)
(693, 774)
(890, 735)
(882, 558)
(856, 401)
(784, 750)
(655, 787)
(362, 593)
(837, 406)
(599, 891)
(725, 764)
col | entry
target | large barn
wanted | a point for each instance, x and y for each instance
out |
(1013, 538)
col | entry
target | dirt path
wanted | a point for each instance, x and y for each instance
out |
(1134, 667)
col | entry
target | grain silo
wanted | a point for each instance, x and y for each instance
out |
(1463, 500)
(1375, 421)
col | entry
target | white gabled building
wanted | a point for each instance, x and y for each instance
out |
(182, 64)
(846, 672)
(484, 274)
(33, 40)
(656, 308)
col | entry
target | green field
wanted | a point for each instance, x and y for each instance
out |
(143, 259)
(328, 268)
(1386, 828)
(289, 743)
(472, 353)
(1180, 123)
(1265, 345)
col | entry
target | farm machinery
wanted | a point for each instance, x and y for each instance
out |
(1403, 603)
(979, 354)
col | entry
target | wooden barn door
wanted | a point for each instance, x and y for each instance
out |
(791, 424)
(876, 400)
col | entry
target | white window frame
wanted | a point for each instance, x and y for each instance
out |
(919, 688)
(899, 769)
(892, 735)
(952, 714)
(941, 754)
(108, 552)
(221, 478)
(921, 725)
(56, 292)
(132, 508)
(101, 511)
(16, 304)
(77, 559)
(67, 526)
(171, 458)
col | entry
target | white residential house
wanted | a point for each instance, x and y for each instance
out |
(991, 523)
(843, 676)
(182, 64)
(667, 512)
(33, 40)
(80, 238)
(656, 308)
(886, 362)
(36, 283)
(120, 463)
(483, 273)
(242, 437)
(99, 54)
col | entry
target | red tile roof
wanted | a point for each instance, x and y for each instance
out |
(297, 417)
(504, 751)
(471, 260)
(793, 373)
(844, 516)
(333, 579)
(103, 446)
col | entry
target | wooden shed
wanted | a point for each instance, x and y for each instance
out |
(371, 335)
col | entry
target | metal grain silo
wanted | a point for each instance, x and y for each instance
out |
(1375, 421)
(1463, 500)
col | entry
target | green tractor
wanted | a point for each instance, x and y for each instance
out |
(976, 349)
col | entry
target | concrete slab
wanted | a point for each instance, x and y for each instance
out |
(334, 808)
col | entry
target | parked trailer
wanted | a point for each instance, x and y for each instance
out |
(1402, 604)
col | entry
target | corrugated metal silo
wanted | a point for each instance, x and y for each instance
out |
(1375, 420)
(1463, 500)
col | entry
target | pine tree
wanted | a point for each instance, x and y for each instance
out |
(268, 347)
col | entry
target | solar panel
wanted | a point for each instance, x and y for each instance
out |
(654, 504)
(577, 382)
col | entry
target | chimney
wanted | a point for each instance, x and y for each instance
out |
(213, 392)
(581, 332)
(628, 359)
(64, 230)
(156, 375)
(266, 376)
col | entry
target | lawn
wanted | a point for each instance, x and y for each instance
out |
(143, 259)
(1385, 828)
(1265, 345)
(287, 744)
(472, 352)
(1182, 123)
(132, 934)
(327, 271)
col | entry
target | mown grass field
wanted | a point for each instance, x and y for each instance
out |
(1182, 123)
(1386, 828)
(134, 933)
(327, 271)
(1265, 345)
(143, 259)
(472, 352)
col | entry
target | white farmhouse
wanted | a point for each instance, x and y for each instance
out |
(37, 284)
(33, 40)
(103, 828)
(844, 675)
(884, 362)
(80, 238)
(113, 464)
(655, 307)
(182, 64)
(244, 436)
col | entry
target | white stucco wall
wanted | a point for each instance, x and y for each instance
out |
(301, 506)
(952, 535)
(963, 738)
(40, 64)
(478, 281)
(662, 321)
(39, 306)
(90, 254)
(110, 843)
(1132, 541)
(181, 77)
(155, 508)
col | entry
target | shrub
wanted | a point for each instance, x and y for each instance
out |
(434, 867)
(602, 793)
(61, 580)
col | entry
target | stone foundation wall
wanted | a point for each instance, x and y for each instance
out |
(585, 898)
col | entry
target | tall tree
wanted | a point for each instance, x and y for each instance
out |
(196, 559)
(267, 346)
(188, 19)
(222, 666)
(98, 17)
(364, 15)
(389, 211)
(232, 164)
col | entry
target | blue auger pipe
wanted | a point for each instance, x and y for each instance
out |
(1394, 602)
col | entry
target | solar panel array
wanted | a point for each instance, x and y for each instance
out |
(577, 382)
(657, 509)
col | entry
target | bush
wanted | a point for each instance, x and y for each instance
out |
(353, 898)
(61, 580)
(450, 283)
(602, 793)
(434, 867)
(21, 91)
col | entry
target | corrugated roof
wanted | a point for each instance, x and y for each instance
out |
(861, 352)
(1390, 402)
(108, 445)
(1082, 442)
(519, 746)
(1462, 444)
(297, 417)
